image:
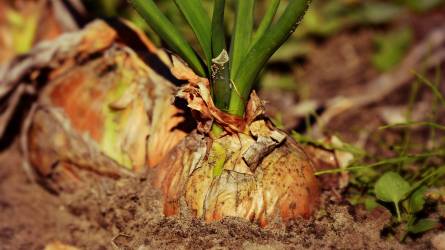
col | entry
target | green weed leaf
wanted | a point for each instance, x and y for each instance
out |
(370, 203)
(417, 200)
(391, 49)
(422, 225)
(391, 187)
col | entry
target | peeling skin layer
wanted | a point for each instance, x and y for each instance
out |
(109, 112)
(283, 186)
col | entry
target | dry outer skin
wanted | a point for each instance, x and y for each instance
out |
(282, 187)
(98, 116)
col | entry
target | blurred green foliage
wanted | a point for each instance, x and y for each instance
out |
(422, 5)
(23, 29)
(391, 48)
(324, 18)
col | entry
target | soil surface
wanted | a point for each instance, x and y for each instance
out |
(127, 214)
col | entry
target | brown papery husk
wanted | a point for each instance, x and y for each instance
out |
(103, 109)
(283, 186)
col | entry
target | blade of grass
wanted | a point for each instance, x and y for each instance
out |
(168, 32)
(199, 21)
(265, 23)
(304, 139)
(242, 34)
(406, 137)
(432, 86)
(388, 161)
(434, 109)
(262, 50)
(421, 123)
(220, 69)
(437, 172)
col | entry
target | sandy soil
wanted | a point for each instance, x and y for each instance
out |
(128, 215)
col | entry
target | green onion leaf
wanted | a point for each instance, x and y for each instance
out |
(168, 32)
(242, 34)
(199, 21)
(262, 50)
(267, 19)
(218, 36)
